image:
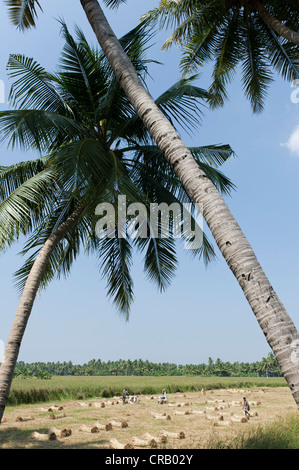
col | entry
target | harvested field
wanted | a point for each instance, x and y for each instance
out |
(217, 414)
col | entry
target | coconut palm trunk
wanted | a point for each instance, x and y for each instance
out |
(275, 24)
(26, 304)
(277, 326)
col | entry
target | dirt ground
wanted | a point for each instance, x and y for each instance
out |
(201, 417)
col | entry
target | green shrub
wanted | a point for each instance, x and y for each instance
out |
(281, 434)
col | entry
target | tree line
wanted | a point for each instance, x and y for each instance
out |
(266, 367)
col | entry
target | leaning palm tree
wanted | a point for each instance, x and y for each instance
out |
(251, 35)
(277, 326)
(94, 149)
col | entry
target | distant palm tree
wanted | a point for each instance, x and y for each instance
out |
(96, 148)
(252, 34)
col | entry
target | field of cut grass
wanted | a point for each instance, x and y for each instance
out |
(33, 390)
(190, 420)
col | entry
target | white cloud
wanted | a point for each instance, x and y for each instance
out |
(293, 142)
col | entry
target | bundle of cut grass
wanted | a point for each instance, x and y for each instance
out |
(104, 427)
(99, 405)
(61, 432)
(115, 444)
(92, 429)
(173, 435)
(55, 408)
(118, 424)
(21, 419)
(161, 416)
(49, 436)
(159, 439)
(136, 441)
(198, 412)
(52, 416)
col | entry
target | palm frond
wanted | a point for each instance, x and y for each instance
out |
(180, 103)
(227, 55)
(34, 87)
(213, 155)
(23, 13)
(23, 207)
(37, 129)
(256, 75)
(283, 55)
(115, 259)
(114, 3)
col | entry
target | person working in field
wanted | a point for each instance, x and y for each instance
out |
(125, 394)
(163, 398)
(246, 407)
(133, 399)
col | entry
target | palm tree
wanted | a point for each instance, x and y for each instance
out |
(277, 326)
(279, 329)
(252, 34)
(95, 149)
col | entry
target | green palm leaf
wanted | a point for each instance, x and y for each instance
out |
(23, 206)
(23, 12)
(115, 259)
(34, 87)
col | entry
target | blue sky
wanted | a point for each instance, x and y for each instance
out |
(204, 312)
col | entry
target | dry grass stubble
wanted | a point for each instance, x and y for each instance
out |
(202, 419)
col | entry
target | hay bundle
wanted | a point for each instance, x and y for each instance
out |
(161, 416)
(93, 429)
(104, 427)
(239, 419)
(52, 416)
(99, 405)
(50, 436)
(198, 412)
(159, 439)
(61, 432)
(182, 413)
(55, 408)
(118, 424)
(20, 419)
(222, 423)
(136, 441)
(208, 416)
(115, 444)
(173, 435)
